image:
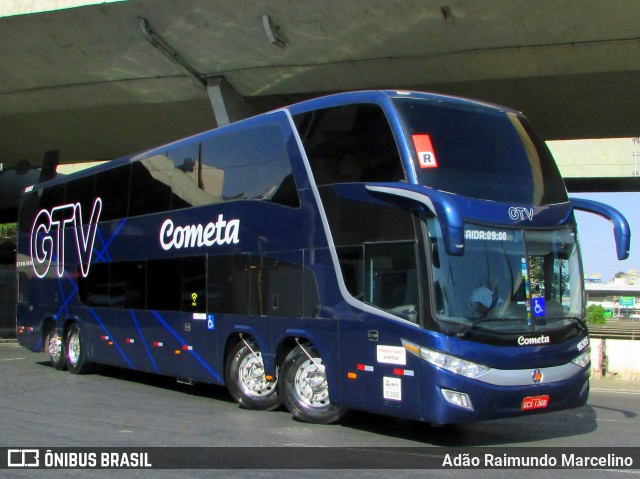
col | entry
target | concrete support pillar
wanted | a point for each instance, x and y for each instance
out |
(228, 105)
(50, 165)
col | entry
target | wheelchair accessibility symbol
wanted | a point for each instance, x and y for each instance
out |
(539, 307)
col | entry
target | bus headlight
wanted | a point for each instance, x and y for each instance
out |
(445, 361)
(583, 359)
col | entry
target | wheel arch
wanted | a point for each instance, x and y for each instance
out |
(68, 322)
(48, 323)
(247, 333)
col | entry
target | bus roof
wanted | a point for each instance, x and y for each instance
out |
(328, 101)
(380, 96)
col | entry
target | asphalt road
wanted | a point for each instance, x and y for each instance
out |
(41, 407)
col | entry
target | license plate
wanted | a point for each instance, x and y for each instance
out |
(535, 402)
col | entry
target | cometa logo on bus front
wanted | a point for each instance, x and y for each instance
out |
(522, 341)
(196, 236)
(48, 237)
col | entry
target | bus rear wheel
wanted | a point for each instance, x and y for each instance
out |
(75, 352)
(246, 379)
(304, 387)
(53, 347)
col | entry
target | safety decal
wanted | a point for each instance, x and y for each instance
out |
(424, 149)
(392, 389)
(391, 355)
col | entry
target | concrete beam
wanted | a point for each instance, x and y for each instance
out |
(25, 7)
(228, 105)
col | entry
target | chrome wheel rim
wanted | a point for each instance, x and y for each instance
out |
(54, 347)
(311, 384)
(252, 377)
(74, 348)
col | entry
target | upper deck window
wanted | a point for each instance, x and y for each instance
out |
(252, 163)
(350, 144)
(480, 152)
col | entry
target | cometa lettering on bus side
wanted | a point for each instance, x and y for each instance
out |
(196, 236)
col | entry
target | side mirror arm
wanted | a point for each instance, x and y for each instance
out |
(621, 231)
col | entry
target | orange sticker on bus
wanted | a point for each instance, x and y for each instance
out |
(424, 149)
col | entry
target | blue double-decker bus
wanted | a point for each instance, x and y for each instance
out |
(402, 253)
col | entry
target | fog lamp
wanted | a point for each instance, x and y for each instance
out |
(457, 399)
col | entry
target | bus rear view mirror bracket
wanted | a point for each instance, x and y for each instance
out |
(438, 203)
(621, 231)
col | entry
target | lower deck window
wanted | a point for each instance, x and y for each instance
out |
(384, 275)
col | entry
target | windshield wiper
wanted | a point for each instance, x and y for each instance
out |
(463, 332)
(581, 323)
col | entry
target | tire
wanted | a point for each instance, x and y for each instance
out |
(304, 388)
(54, 347)
(74, 352)
(246, 382)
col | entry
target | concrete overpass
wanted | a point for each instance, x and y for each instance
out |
(105, 79)
(597, 290)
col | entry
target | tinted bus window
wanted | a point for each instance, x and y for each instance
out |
(127, 285)
(194, 284)
(52, 197)
(481, 153)
(112, 186)
(29, 207)
(183, 177)
(249, 164)
(228, 285)
(81, 191)
(94, 290)
(356, 222)
(261, 286)
(150, 190)
(23, 288)
(278, 287)
(376, 250)
(163, 285)
(348, 144)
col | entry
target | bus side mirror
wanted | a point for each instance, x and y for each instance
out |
(621, 231)
(440, 204)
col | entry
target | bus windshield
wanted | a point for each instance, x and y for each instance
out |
(510, 281)
(480, 152)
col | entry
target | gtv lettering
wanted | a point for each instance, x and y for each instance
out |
(48, 237)
(519, 213)
(196, 236)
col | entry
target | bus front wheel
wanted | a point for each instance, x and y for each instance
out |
(53, 347)
(246, 379)
(304, 387)
(75, 352)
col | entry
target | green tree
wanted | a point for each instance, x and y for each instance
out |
(595, 314)
(7, 230)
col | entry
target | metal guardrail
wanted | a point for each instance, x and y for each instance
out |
(616, 329)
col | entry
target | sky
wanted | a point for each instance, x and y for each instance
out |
(596, 235)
